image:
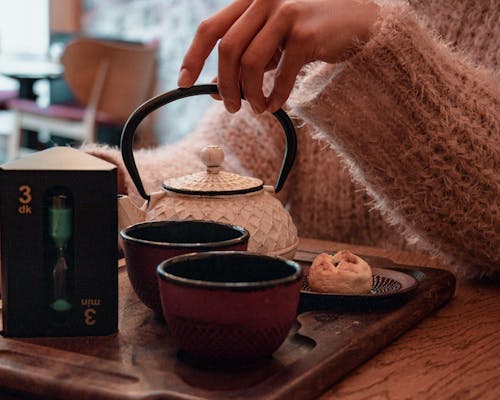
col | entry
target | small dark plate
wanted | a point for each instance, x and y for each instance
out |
(390, 287)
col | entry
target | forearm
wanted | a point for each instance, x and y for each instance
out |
(419, 128)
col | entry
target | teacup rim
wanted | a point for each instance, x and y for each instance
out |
(245, 236)
(235, 286)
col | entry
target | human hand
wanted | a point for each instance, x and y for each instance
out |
(259, 35)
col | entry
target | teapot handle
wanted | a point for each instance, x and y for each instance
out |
(154, 103)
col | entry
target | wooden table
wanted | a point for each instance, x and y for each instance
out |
(452, 354)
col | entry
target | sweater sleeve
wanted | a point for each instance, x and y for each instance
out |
(419, 127)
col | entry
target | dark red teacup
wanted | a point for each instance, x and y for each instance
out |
(147, 244)
(229, 307)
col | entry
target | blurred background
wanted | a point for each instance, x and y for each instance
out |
(37, 97)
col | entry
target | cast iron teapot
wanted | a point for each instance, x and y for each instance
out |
(214, 194)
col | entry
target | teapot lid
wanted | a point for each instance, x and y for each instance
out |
(213, 181)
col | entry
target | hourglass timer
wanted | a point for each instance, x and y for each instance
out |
(60, 230)
(58, 245)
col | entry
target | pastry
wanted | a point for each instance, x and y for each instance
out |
(343, 272)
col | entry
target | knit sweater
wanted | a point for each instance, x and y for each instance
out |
(398, 146)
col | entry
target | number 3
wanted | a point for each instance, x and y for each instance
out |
(25, 191)
(89, 315)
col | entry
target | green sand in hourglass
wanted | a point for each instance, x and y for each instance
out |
(60, 228)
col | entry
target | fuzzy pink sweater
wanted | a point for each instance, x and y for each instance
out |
(398, 147)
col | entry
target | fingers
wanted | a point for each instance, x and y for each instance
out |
(255, 35)
(279, 32)
(215, 96)
(231, 48)
(273, 63)
(257, 57)
(193, 61)
(205, 39)
(289, 67)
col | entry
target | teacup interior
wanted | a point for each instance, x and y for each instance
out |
(231, 267)
(189, 232)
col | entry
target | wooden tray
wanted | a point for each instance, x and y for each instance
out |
(140, 362)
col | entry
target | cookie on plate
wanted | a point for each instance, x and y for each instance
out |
(343, 272)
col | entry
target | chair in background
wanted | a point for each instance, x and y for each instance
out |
(107, 79)
(5, 96)
(6, 122)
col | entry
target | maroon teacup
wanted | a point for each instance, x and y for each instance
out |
(229, 307)
(147, 244)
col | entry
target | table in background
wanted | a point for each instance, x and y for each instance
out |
(27, 71)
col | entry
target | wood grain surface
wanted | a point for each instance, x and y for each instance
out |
(452, 354)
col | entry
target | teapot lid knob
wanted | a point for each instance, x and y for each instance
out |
(212, 156)
(213, 181)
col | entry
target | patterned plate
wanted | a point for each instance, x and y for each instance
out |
(386, 282)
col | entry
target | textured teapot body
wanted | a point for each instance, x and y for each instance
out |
(271, 228)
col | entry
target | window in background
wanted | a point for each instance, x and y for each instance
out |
(173, 22)
(24, 28)
(22, 33)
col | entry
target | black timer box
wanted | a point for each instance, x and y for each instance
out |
(58, 222)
